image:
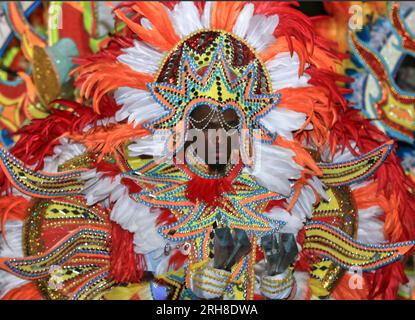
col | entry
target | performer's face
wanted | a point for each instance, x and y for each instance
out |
(218, 128)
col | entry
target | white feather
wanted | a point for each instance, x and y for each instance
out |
(146, 23)
(274, 167)
(362, 184)
(140, 220)
(137, 105)
(302, 287)
(99, 188)
(260, 32)
(11, 247)
(319, 187)
(141, 58)
(284, 72)
(163, 265)
(284, 122)
(154, 259)
(154, 145)
(325, 152)
(105, 122)
(293, 223)
(185, 18)
(303, 207)
(17, 192)
(129, 214)
(370, 227)
(242, 22)
(63, 152)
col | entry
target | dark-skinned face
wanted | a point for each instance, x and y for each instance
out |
(204, 120)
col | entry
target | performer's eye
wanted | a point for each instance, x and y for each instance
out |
(232, 123)
(231, 119)
(405, 74)
(201, 116)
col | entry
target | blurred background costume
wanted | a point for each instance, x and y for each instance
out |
(103, 198)
(382, 64)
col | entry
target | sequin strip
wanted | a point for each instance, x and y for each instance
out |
(40, 184)
(389, 95)
(408, 41)
(353, 171)
(91, 242)
(333, 244)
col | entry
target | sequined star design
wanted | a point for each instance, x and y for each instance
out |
(166, 188)
(221, 87)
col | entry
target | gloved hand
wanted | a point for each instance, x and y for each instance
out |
(278, 286)
(209, 283)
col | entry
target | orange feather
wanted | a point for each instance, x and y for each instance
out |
(13, 208)
(28, 291)
(302, 157)
(100, 78)
(370, 195)
(157, 14)
(314, 102)
(318, 57)
(225, 13)
(162, 34)
(342, 290)
(106, 140)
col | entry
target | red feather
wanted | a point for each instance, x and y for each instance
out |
(166, 217)
(126, 266)
(327, 79)
(131, 185)
(207, 190)
(38, 138)
(177, 260)
(275, 203)
(109, 169)
(386, 281)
